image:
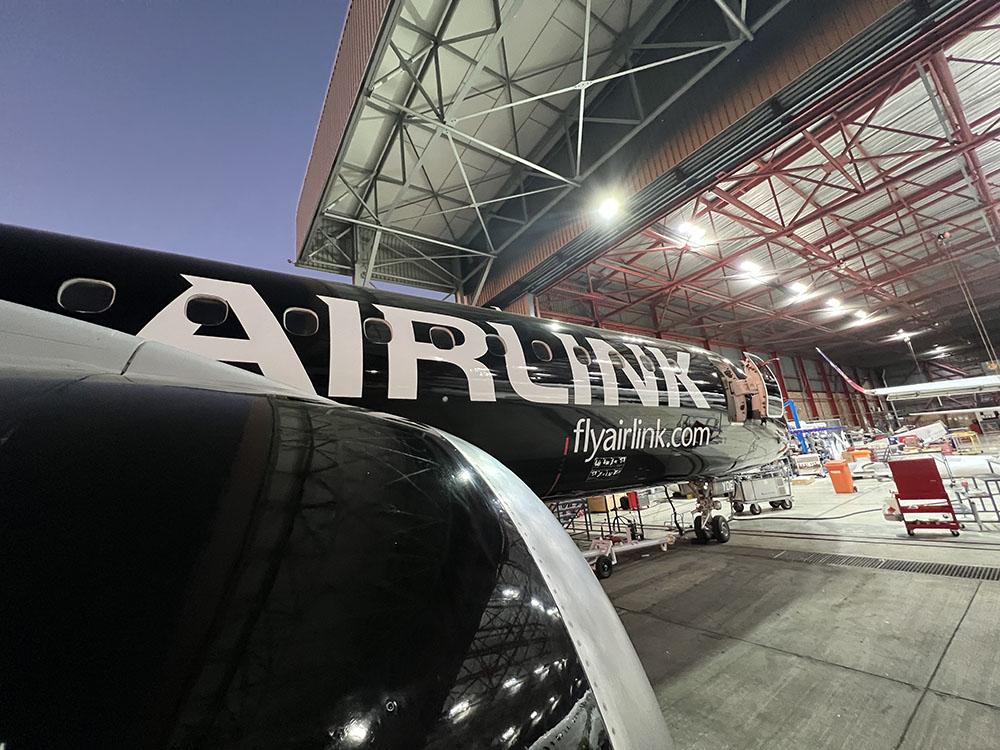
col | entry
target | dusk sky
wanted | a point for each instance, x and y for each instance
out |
(178, 125)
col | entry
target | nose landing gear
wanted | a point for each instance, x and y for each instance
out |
(707, 524)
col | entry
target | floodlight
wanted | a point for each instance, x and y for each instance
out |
(609, 208)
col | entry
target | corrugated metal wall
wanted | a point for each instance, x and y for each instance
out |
(523, 305)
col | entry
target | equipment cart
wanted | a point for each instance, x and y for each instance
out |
(620, 536)
(776, 490)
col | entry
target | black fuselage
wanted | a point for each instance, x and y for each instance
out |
(572, 410)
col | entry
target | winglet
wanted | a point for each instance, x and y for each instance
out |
(842, 374)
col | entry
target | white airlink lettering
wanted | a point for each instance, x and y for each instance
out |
(405, 351)
(346, 350)
(517, 372)
(267, 346)
(589, 441)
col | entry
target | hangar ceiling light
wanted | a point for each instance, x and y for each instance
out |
(692, 232)
(609, 209)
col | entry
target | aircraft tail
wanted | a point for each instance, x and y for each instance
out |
(855, 386)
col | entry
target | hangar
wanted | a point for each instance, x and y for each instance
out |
(762, 178)
(690, 427)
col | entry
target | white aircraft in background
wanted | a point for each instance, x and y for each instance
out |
(934, 389)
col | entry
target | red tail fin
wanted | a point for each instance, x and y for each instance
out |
(842, 374)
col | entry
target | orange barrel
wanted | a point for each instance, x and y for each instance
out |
(840, 475)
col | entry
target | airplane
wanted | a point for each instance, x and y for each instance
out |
(571, 410)
(195, 556)
(184, 536)
(933, 389)
(984, 411)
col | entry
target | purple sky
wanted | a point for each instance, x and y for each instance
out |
(180, 126)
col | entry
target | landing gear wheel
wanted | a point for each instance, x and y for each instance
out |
(737, 507)
(700, 535)
(720, 529)
(603, 566)
(754, 509)
(786, 503)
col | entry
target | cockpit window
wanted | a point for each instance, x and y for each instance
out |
(88, 296)
(775, 398)
(582, 355)
(775, 401)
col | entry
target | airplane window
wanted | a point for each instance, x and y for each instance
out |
(206, 311)
(495, 345)
(616, 358)
(542, 351)
(582, 355)
(442, 337)
(646, 363)
(301, 322)
(86, 295)
(378, 331)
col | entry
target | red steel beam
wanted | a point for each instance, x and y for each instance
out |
(864, 399)
(960, 250)
(781, 384)
(817, 215)
(948, 368)
(894, 71)
(666, 284)
(966, 248)
(807, 249)
(643, 331)
(849, 396)
(806, 386)
(962, 133)
(936, 293)
(654, 276)
(830, 395)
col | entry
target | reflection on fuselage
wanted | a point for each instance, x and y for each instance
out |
(349, 582)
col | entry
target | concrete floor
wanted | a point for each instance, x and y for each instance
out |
(745, 651)
(823, 521)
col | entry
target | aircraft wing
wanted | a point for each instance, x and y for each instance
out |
(956, 387)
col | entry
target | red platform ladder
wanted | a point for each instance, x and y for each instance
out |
(920, 492)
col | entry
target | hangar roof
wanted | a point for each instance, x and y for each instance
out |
(878, 214)
(451, 125)
(452, 139)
